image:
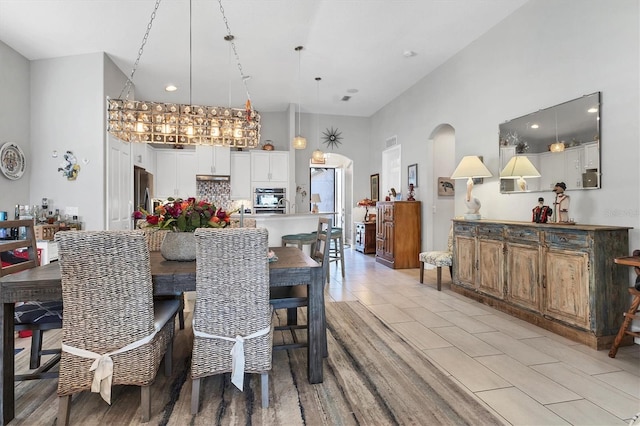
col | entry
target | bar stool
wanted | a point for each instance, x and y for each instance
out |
(629, 316)
(336, 251)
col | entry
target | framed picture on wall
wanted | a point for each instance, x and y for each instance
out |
(375, 190)
(446, 187)
(413, 175)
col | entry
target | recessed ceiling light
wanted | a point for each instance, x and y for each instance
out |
(409, 53)
(592, 110)
(535, 126)
(171, 88)
(352, 90)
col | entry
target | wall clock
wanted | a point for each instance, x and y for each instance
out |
(332, 138)
(12, 161)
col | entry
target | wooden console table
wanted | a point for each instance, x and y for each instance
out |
(559, 277)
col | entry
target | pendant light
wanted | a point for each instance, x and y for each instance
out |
(318, 155)
(557, 146)
(299, 142)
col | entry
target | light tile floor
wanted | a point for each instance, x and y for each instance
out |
(524, 374)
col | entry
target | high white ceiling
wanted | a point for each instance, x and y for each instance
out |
(351, 44)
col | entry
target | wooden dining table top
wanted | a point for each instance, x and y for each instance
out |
(169, 276)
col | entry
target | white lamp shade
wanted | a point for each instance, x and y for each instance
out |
(471, 167)
(519, 167)
(299, 142)
(315, 198)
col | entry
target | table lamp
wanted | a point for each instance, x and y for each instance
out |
(471, 167)
(315, 199)
(519, 167)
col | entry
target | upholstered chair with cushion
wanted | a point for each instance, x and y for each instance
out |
(438, 259)
(232, 319)
(113, 332)
(33, 316)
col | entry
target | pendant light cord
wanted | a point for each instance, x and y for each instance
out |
(190, 53)
(318, 110)
(129, 82)
(299, 49)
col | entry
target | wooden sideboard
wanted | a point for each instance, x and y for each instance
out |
(398, 234)
(559, 277)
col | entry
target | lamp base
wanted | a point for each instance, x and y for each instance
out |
(472, 216)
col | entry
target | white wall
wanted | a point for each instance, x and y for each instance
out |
(67, 114)
(514, 69)
(14, 124)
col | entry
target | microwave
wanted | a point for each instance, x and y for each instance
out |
(269, 200)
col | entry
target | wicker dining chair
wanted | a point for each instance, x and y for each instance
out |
(293, 297)
(154, 238)
(232, 311)
(110, 313)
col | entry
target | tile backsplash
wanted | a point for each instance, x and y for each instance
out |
(218, 193)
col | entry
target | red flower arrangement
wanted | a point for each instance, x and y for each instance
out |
(185, 215)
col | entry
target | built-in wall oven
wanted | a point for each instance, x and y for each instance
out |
(270, 200)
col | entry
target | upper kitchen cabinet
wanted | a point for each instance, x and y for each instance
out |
(270, 168)
(143, 156)
(213, 160)
(176, 175)
(240, 175)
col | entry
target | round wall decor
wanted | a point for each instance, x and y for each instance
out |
(332, 137)
(12, 161)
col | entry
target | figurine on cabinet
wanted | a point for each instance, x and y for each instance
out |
(541, 212)
(561, 204)
(411, 193)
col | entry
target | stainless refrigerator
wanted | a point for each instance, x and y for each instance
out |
(142, 188)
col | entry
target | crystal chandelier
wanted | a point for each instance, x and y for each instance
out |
(171, 123)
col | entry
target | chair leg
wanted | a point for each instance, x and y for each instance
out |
(264, 381)
(439, 280)
(168, 359)
(36, 349)
(292, 316)
(181, 312)
(195, 396)
(341, 251)
(421, 272)
(145, 403)
(64, 409)
(451, 272)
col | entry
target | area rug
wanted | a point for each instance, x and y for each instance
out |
(371, 377)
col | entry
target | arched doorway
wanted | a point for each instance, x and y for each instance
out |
(333, 181)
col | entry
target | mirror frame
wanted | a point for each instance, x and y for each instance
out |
(579, 165)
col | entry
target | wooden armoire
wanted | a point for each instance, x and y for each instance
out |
(398, 233)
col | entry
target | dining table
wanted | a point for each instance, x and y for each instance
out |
(43, 283)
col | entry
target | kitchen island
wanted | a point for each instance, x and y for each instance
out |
(285, 224)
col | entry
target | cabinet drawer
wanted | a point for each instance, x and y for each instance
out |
(515, 233)
(492, 232)
(464, 229)
(567, 239)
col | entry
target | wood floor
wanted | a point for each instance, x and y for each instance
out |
(524, 374)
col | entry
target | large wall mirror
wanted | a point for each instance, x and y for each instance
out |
(562, 142)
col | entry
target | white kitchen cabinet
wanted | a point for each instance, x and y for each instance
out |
(573, 159)
(240, 175)
(176, 174)
(143, 156)
(270, 168)
(591, 156)
(213, 160)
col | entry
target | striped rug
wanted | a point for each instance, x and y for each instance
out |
(371, 377)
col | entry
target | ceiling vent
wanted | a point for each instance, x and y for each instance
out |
(345, 98)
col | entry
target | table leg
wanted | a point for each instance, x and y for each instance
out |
(315, 324)
(7, 402)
